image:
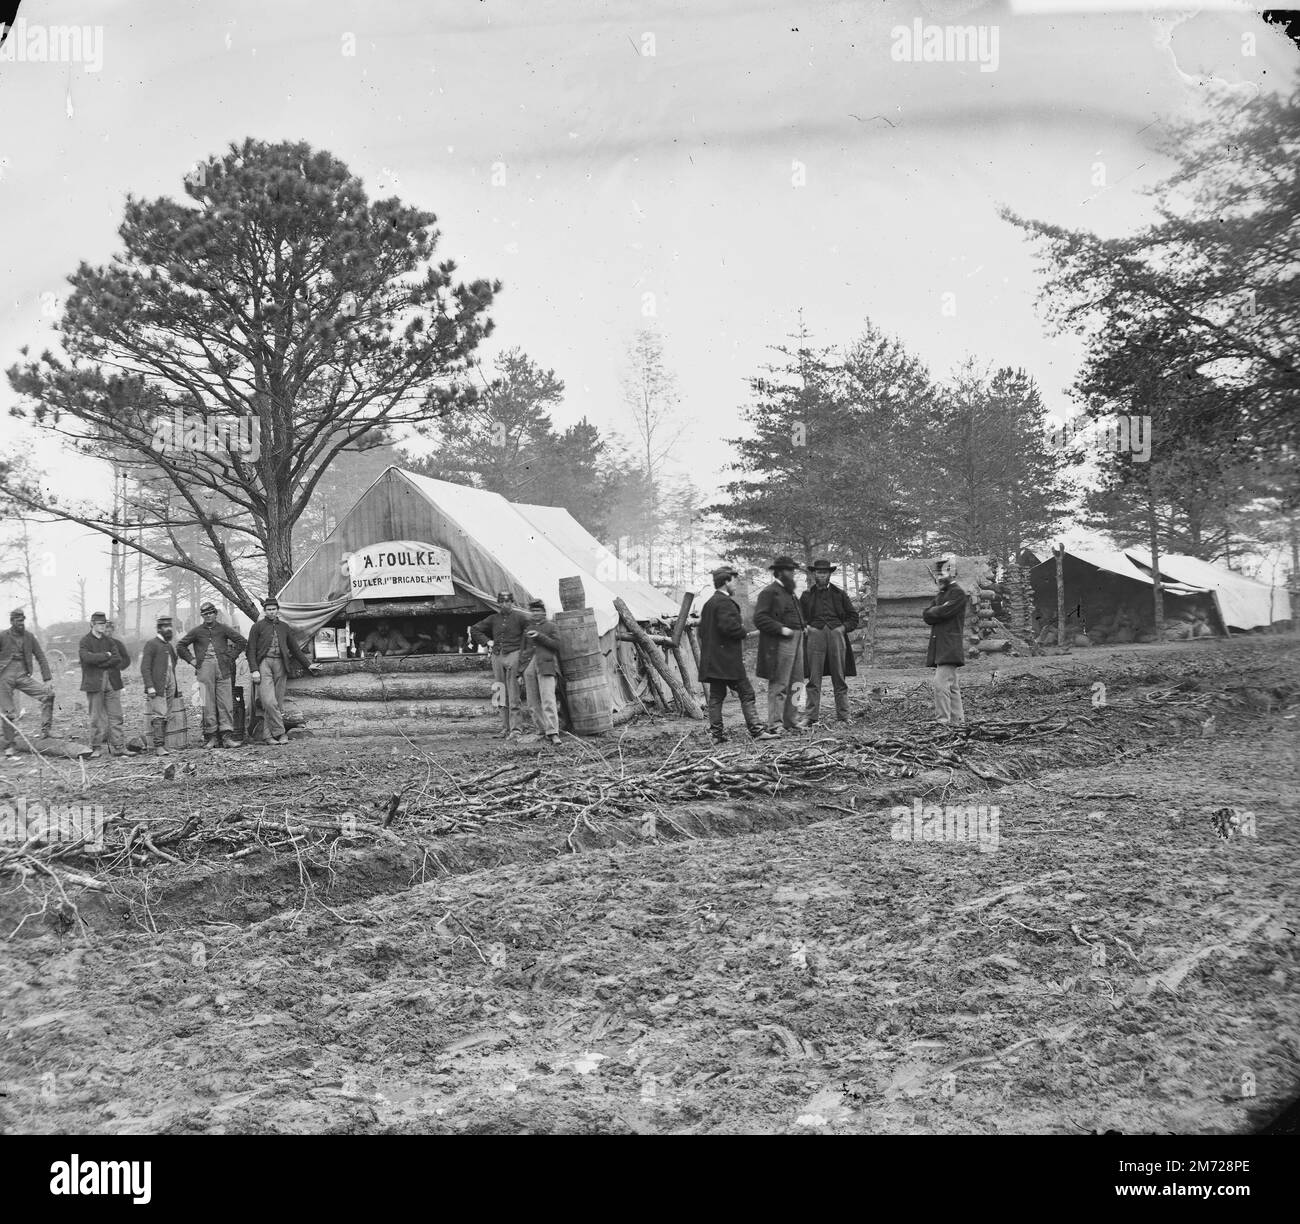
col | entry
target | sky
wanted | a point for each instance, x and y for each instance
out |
(706, 167)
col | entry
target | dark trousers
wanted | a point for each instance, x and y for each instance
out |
(826, 650)
(718, 694)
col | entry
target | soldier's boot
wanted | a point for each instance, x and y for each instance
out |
(159, 727)
(756, 728)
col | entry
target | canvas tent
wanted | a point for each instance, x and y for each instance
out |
(1245, 603)
(1108, 597)
(492, 545)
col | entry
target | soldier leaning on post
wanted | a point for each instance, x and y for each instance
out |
(101, 681)
(831, 617)
(18, 651)
(269, 646)
(158, 667)
(216, 646)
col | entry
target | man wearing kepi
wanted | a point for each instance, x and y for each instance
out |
(101, 681)
(270, 645)
(215, 648)
(158, 667)
(781, 626)
(946, 616)
(722, 659)
(19, 650)
(831, 617)
(505, 628)
(540, 659)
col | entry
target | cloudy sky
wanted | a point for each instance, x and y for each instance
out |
(763, 158)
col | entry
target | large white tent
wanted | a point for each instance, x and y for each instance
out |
(1245, 603)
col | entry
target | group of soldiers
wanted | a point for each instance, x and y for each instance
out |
(523, 644)
(806, 637)
(802, 637)
(212, 648)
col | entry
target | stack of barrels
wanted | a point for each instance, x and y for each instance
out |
(586, 684)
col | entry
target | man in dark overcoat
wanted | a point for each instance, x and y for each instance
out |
(946, 616)
(722, 660)
(781, 626)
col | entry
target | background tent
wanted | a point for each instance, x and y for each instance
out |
(493, 547)
(1245, 603)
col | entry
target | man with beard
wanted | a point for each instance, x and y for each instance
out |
(781, 627)
(18, 651)
(158, 667)
(722, 660)
(215, 646)
(946, 616)
(101, 681)
(831, 617)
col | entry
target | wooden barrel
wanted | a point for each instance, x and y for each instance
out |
(184, 726)
(572, 597)
(586, 683)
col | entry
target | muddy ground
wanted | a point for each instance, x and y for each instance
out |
(645, 935)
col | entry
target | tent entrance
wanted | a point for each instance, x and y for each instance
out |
(401, 628)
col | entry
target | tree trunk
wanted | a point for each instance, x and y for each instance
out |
(685, 702)
(1294, 584)
(1060, 595)
(27, 566)
(1153, 545)
(874, 606)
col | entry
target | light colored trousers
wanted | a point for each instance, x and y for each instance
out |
(218, 700)
(780, 687)
(106, 720)
(541, 700)
(947, 696)
(11, 681)
(826, 649)
(505, 670)
(270, 690)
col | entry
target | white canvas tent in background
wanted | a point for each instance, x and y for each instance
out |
(1245, 603)
(494, 545)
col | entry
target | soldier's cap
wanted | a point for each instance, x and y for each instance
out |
(207, 606)
(504, 595)
(724, 571)
(17, 614)
(98, 618)
(537, 605)
(270, 602)
(163, 620)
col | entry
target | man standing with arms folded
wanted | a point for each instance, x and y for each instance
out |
(116, 730)
(101, 681)
(18, 651)
(946, 617)
(781, 627)
(722, 658)
(270, 644)
(158, 667)
(831, 617)
(505, 628)
(215, 646)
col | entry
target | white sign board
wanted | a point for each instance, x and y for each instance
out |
(399, 568)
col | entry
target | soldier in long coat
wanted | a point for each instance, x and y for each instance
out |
(781, 626)
(722, 659)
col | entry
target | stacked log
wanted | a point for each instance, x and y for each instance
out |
(657, 669)
(1019, 596)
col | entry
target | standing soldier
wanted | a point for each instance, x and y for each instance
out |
(269, 646)
(781, 627)
(158, 667)
(831, 617)
(115, 679)
(101, 681)
(505, 629)
(18, 651)
(722, 659)
(540, 659)
(216, 647)
(946, 616)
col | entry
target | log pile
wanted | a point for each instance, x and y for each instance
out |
(672, 690)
